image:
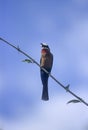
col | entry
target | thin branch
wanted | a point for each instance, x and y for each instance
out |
(34, 61)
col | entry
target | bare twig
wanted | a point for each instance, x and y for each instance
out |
(34, 61)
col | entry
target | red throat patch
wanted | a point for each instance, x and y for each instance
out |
(44, 51)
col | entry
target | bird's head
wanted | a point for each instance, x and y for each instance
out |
(45, 46)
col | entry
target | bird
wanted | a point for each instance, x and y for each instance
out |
(46, 62)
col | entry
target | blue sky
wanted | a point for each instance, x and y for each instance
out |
(63, 25)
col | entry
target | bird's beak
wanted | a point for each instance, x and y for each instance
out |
(41, 44)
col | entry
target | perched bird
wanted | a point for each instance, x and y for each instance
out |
(46, 62)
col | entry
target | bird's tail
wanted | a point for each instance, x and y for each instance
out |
(45, 95)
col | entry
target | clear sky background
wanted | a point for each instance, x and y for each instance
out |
(63, 25)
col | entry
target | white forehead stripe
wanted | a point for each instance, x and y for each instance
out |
(45, 48)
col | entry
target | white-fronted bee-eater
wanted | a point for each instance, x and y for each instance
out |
(46, 62)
